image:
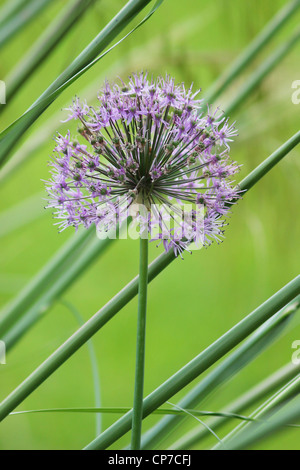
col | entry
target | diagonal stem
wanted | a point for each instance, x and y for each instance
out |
(137, 416)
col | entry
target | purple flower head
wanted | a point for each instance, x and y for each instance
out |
(146, 143)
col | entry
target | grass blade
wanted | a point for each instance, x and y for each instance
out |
(287, 392)
(10, 9)
(123, 410)
(39, 137)
(203, 424)
(79, 338)
(21, 214)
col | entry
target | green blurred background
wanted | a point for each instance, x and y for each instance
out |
(194, 301)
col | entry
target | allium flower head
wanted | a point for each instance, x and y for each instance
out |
(146, 143)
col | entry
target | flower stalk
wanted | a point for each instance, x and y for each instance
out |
(140, 347)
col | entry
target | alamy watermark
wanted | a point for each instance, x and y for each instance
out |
(2, 92)
(2, 353)
(296, 354)
(156, 221)
(296, 93)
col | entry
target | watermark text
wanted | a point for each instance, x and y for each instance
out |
(2, 353)
(296, 354)
(296, 93)
(2, 92)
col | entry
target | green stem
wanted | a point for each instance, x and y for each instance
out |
(137, 416)
(94, 365)
(88, 57)
(286, 393)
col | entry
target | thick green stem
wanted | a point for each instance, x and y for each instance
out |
(137, 416)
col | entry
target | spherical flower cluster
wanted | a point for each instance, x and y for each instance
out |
(146, 143)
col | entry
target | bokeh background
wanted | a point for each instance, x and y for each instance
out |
(192, 302)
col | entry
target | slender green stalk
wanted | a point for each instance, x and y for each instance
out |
(137, 415)
(247, 56)
(45, 45)
(111, 30)
(242, 403)
(123, 410)
(260, 74)
(16, 21)
(201, 363)
(254, 345)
